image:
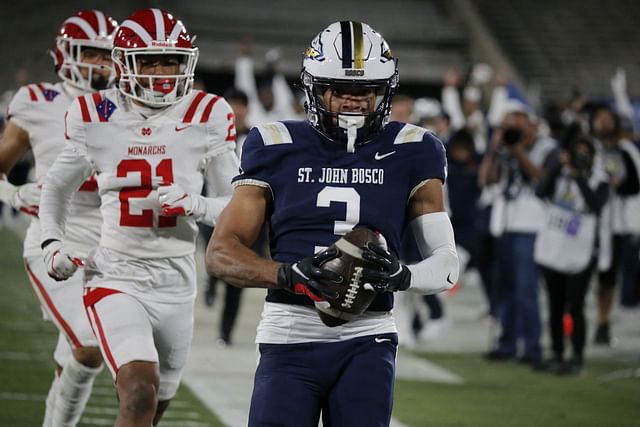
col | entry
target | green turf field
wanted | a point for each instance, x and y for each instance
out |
(508, 394)
(26, 370)
(493, 395)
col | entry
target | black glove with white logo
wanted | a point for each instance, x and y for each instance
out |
(394, 276)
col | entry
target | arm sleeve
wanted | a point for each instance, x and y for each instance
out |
(65, 176)
(283, 97)
(221, 132)
(219, 164)
(246, 82)
(20, 108)
(439, 269)
(499, 98)
(220, 171)
(451, 105)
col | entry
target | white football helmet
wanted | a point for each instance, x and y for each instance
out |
(86, 29)
(153, 32)
(349, 55)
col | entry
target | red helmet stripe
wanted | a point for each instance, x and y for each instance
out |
(84, 26)
(159, 18)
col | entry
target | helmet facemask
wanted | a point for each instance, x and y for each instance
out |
(356, 125)
(73, 64)
(155, 90)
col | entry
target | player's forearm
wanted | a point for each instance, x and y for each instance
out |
(63, 179)
(232, 261)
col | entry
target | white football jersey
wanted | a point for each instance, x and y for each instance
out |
(39, 109)
(134, 150)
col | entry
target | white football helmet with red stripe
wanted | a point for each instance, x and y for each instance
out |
(86, 29)
(153, 32)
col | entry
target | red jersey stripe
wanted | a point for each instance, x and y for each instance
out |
(46, 300)
(192, 108)
(32, 93)
(207, 110)
(42, 88)
(84, 109)
(97, 100)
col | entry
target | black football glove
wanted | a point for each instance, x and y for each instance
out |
(394, 276)
(303, 277)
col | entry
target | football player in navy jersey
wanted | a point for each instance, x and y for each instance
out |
(311, 182)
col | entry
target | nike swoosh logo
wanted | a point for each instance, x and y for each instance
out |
(379, 340)
(449, 279)
(178, 129)
(379, 156)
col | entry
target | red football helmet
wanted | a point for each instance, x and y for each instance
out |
(86, 29)
(153, 32)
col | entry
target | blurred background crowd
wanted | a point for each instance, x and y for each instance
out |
(537, 103)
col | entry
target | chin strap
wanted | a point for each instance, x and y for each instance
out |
(351, 124)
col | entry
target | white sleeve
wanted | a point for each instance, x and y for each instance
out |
(70, 169)
(63, 179)
(283, 97)
(620, 95)
(451, 106)
(246, 82)
(221, 131)
(220, 170)
(499, 98)
(244, 78)
(20, 110)
(439, 270)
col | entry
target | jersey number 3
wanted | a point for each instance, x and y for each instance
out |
(164, 170)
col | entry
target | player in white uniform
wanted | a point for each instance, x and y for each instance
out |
(151, 143)
(36, 122)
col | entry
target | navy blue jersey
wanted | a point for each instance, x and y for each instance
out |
(320, 191)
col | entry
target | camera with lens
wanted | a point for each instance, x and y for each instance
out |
(511, 136)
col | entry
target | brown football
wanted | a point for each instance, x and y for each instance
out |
(354, 296)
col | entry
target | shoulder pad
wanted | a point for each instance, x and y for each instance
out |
(96, 107)
(199, 107)
(41, 92)
(410, 133)
(274, 133)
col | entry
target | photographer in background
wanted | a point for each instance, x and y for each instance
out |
(515, 162)
(575, 192)
(621, 160)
